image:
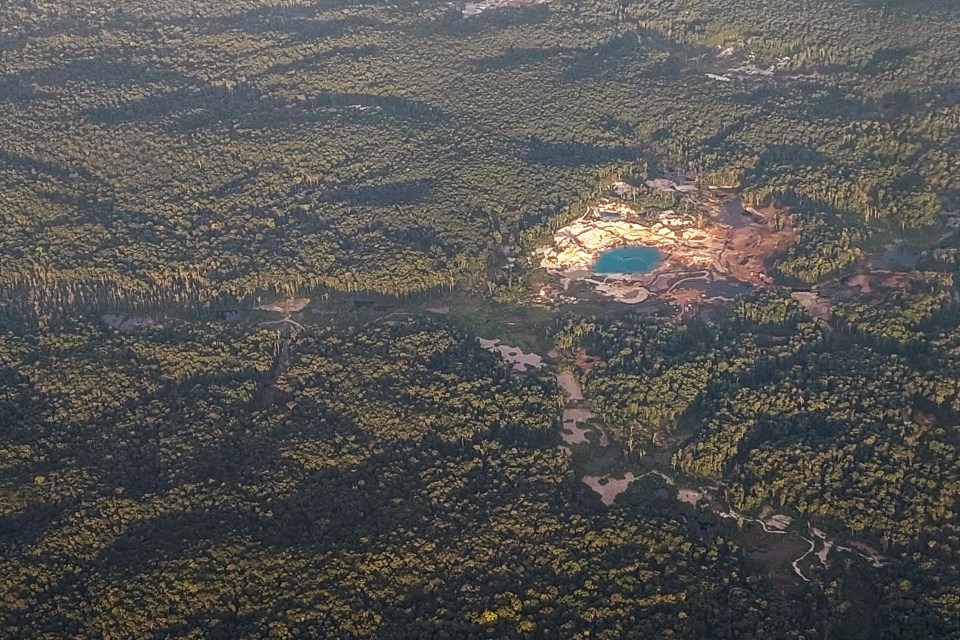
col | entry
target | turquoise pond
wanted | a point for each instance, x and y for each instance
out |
(632, 259)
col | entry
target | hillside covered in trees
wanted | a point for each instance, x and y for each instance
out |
(174, 151)
(850, 425)
(177, 460)
(389, 482)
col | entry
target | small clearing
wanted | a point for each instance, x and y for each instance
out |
(571, 387)
(471, 9)
(520, 361)
(585, 361)
(573, 433)
(869, 553)
(827, 545)
(291, 305)
(779, 522)
(720, 248)
(609, 487)
(815, 305)
(573, 430)
(127, 323)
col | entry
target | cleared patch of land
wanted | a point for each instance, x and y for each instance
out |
(712, 254)
(521, 362)
(609, 487)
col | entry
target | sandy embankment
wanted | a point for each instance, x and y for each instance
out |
(577, 246)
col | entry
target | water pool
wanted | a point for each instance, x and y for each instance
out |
(629, 259)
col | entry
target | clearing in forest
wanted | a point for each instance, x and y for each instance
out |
(715, 253)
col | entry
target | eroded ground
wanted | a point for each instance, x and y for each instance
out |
(713, 252)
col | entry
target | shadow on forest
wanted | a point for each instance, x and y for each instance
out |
(190, 108)
(790, 154)
(237, 185)
(837, 105)
(304, 64)
(225, 624)
(16, 89)
(887, 60)
(602, 60)
(393, 193)
(105, 72)
(576, 154)
(669, 67)
(515, 57)
(34, 166)
(9, 43)
(909, 6)
(720, 138)
(96, 206)
(331, 510)
(215, 103)
(945, 95)
(298, 23)
(820, 103)
(18, 530)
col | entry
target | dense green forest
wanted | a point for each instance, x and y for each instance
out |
(850, 425)
(360, 470)
(172, 151)
(843, 425)
(381, 483)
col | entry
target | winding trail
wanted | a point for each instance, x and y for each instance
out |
(608, 487)
(697, 275)
(796, 563)
(287, 320)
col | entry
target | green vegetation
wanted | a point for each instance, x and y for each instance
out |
(851, 427)
(384, 476)
(175, 152)
(388, 482)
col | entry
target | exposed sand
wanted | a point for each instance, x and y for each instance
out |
(609, 487)
(869, 553)
(690, 496)
(584, 360)
(576, 415)
(573, 433)
(796, 563)
(292, 305)
(127, 323)
(779, 521)
(862, 282)
(522, 362)
(568, 382)
(816, 306)
(827, 545)
(724, 243)
(746, 69)
(577, 246)
(604, 436)
(624, 292)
